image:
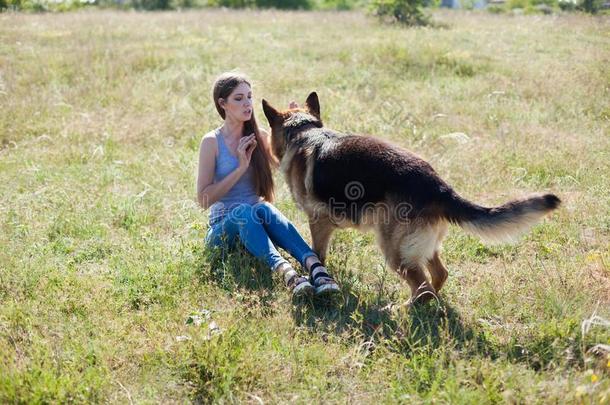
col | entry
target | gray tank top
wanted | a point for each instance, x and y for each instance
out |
(242, 192)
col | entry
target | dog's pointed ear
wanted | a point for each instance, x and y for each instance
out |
(313, 104)
(271, 113)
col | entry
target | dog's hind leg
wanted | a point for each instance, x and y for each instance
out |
(421, 290)
(438, 272)
(413, 273)
(321, 230)
(416, 247)
(406, 263)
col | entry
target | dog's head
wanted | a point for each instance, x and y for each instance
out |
(286, 125)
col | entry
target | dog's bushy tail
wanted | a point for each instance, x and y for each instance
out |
(500, 224)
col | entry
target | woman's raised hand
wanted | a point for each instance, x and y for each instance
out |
(246, 146)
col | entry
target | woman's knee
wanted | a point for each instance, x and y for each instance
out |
(266, 212)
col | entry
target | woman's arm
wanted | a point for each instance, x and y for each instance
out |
(209, 192)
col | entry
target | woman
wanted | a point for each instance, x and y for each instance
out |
(234, 180)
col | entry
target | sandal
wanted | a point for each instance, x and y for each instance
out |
(299, 285)
(324, 285)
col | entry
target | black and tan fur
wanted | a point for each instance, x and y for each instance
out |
(398, 195)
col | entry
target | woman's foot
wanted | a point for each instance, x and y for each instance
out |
(326, 288)
(298, 285)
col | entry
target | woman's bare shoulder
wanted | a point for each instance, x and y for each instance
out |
(209, 138)
(209, 143)
(209, 135)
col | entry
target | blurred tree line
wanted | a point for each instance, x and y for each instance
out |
(406, 12)
(66, 5)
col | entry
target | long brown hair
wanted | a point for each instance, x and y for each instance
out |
(261, 161)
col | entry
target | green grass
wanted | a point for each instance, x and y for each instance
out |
(101, 241)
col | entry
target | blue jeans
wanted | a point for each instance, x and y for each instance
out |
(258, 227)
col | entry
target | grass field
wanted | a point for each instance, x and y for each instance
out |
(101, 256)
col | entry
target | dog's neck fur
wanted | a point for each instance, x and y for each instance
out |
(297, 122)
(292, 126)
(304, 135)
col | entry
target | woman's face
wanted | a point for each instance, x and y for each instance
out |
(238, 105)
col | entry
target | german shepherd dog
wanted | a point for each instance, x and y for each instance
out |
(363, 182)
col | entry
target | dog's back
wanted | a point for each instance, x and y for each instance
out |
(376, 171)
(379, 172)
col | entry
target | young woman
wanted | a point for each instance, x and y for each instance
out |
(234, 181)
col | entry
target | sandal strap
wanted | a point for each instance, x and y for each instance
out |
(296, 281)
(289, 276)
(324, 279)
(314, 266)
(319, 272)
